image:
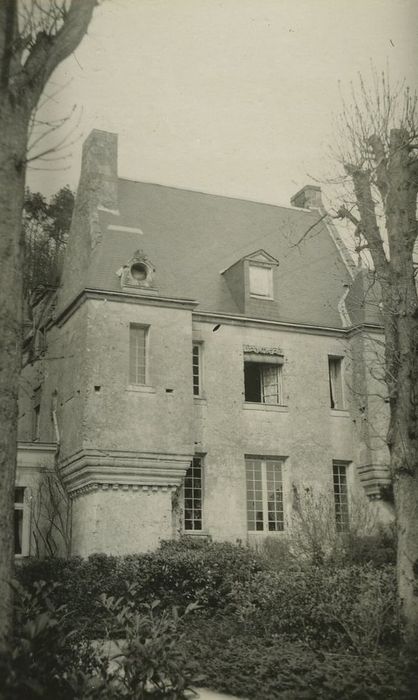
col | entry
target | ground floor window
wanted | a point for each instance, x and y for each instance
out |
(339, 473)
(264, 494)
(193, 493)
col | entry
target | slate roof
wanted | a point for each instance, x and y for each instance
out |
(191, 237)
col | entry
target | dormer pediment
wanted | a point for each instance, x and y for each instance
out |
(262, 257)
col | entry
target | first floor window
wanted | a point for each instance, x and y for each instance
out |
(197, 370)
(264, 494)
(193, 496)
(335, 382)
(339, 472)
(137, 353)
(18, 519)
(263, 382)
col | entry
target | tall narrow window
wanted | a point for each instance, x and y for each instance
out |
(193, 496)
(36, 413)
(18, 519)
(339, 470)
(335, 382)
(263, 382)
(137, 354)
(197, 369)
(264, 494)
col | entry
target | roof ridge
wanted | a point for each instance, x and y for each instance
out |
(219, 196)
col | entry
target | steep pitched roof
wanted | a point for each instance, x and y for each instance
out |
(192, 237)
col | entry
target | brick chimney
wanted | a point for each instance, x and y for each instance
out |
(308, 197)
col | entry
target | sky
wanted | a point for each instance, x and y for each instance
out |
(233, 97)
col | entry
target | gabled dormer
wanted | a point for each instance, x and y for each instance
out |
(252, 281)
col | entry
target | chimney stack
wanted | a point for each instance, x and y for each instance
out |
(309, 197)
(99, 169)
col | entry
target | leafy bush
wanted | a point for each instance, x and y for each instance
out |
(177, 574)
(46, 663)
(269, 669)
(352, 607)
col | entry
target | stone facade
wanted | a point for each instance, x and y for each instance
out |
(123, 447)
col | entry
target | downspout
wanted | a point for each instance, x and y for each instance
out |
(56, 460)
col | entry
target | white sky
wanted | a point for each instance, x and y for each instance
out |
(234, 97)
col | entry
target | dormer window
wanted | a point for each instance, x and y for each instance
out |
(261, 281)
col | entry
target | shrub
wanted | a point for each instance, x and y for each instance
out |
(333, 608)
(46, 663)
(270, 669)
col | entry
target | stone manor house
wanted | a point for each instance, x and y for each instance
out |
(203, 357)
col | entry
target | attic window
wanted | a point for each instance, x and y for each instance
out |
(261, 281)
(139, 272)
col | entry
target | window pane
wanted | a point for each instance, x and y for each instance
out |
(193, 496)
(252, 381)
(137, 349)
(196, 370)
(270, 375)
(340, 496)
(335, 382)
(255, 519)
(18, 527)
(274, 495)
(19, 494)
(260, 280)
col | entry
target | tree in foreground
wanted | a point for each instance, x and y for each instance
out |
(380, 161)
(35, 36)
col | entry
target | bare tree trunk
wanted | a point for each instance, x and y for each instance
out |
(27, 61)
(13, 140)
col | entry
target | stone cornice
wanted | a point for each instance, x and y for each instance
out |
(241, 320)
(95, 487)
(373, 477)
(121, 296)
(33, 455)
(123, 468)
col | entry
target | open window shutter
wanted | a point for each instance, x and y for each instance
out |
(270, 384)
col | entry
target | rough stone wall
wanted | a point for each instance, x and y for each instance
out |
(307, 432)
(121, 521)
(120, 416)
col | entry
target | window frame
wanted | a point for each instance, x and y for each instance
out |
(280, 522)
(270, 287)
(146, 328)
(340, 495)
(197, 345)
(263, 363)
(336, 389)
(24, 508)
(193, 530)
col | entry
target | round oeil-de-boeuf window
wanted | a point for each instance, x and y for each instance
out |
(139, 272)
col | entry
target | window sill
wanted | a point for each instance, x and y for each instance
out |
(141, 388)
(266, 533)
(249, 406)
(199, 399)
(340, 412)
(196, 533)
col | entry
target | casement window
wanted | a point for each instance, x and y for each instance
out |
(339, 473)
(19, 528)
(264, 494)
(263, 379)
(193, 493)
(261, 281)
(197, 369)
(335, 375)
(137, 354)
